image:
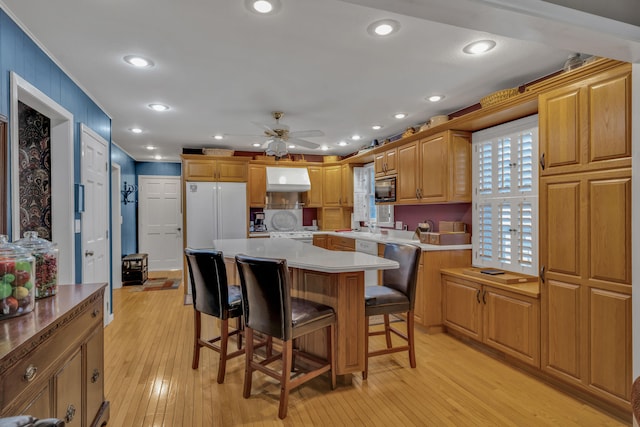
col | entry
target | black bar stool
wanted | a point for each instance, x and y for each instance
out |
(396, 295)
(269, 309)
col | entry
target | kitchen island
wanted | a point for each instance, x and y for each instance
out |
(334, 278)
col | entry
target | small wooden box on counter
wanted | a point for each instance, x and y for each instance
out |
(452, 226)
(458, 238)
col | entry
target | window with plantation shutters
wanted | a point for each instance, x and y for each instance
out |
(505, 197)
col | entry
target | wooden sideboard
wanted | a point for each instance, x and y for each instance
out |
(52, 359)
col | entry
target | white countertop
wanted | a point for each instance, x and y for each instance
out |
(395, 237)
(303, 255)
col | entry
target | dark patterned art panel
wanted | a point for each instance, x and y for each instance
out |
(35, 171)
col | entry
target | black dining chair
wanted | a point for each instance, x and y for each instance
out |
(396, 295)
(213, 296)
(270, 310)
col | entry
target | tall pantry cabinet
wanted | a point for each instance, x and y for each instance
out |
(585, 234)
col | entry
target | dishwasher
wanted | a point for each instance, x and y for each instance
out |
(371, 248)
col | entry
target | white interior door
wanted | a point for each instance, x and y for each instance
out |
(160, 221)
(95, 218)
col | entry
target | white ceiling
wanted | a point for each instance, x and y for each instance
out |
(221, 67)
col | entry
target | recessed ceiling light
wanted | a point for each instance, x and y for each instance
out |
(158, 157)
(478, 47)
(324, 148)
(263, 7)
(217, 136)
(383, 28)
(400, 115)
(435, 98)
(342, 143)
(150, 147)
(376, 127)
(159, 107)
(138, 61)
(292, 146)
(356, 137)
(256, 144)
(136, 130)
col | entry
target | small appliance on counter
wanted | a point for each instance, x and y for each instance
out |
(258, 222)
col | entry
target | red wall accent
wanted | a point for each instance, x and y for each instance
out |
(412, 215)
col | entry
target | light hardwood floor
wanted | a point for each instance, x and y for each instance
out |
(149, 382)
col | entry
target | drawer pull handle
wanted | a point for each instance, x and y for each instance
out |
(71, 412)
(30, 373)
(95, 312)
(95, 376)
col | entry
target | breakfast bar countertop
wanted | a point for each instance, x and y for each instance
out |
(303, 255)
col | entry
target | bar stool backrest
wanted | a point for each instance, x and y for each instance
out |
(209, 287)
(266, 295)
(404, 278)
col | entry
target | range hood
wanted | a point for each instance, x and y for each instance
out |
(292, 180)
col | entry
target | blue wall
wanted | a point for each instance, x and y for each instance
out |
(129, 211)
(20, 54)
(156, 168)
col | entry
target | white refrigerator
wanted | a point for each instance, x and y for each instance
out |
(215, 210)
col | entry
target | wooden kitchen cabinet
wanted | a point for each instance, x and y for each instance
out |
(340, 243)
(333, 218)
(436, 169)
(52, 361)
(313, 197)
(320, 240)
(506, 318)
(209, 168)
(587, 125)
(385, 163)
(332, 186)
(347, 185)
(585, 259)
(257, 186)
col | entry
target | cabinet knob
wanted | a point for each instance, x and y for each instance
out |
(95, 312)
(71, 412)
(478, 296)
(88, 253)
(95, 376)
(542, 162)
(484, 297)
(542, 273)
(30, 373)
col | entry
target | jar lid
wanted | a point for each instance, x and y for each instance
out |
(11, 250)
(32, 241)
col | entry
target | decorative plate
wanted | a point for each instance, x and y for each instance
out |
(283, 221)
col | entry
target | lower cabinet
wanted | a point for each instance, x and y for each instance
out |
(52, 361)
(502, 319)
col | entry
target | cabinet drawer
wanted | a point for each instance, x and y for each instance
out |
(31, 371)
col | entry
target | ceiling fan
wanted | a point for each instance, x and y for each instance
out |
(279, 136)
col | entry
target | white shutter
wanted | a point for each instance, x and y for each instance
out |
(505, 182)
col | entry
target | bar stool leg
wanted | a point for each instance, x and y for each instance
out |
(196, 340)
(240, 328)
(287, 352)
(224, 339)
(411, 339)
(387, 330)
(248, 368)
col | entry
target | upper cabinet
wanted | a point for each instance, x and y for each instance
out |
(347, 185)
(587, 125)
(436, 169)
(385, 163)
(257, 186)
(313, 197)
(207, 168)
(332, 185)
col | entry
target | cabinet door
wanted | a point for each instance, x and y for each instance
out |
(347, 186)
(379, 165)
(332, 186)
(408, 173)
(512, 324)
(232, 171)
(459, 172)
(610, 343)
(331, 218)
(320, 240)
(40, 406)
(199, 170)
(434, 166)
(313, 197)
(94, 376)
(257, 186)
(462, 306)
(68, 391)
(390, 161)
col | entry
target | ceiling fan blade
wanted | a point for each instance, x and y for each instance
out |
(305, 133)
(302, 143)
(267, 143)
(264, 127)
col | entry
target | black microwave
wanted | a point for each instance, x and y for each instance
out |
(385, 189)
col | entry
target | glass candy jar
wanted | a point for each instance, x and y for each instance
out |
(17, 290)
(46, 256)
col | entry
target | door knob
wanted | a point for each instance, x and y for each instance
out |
(88, 253)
